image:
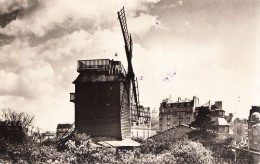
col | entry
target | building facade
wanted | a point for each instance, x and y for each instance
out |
(175, 113)
(102, 100)
(141, 127)
(254, 128)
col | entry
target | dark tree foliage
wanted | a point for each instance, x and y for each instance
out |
(203, 119)
(18, 119)
(11, 131)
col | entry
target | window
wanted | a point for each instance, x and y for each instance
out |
(164, 104)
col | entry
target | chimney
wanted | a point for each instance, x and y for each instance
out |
(196, 101)
(179, 99)
(218, 104)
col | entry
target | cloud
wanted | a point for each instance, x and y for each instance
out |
(7, 6)
(51, 15)
(10, 9)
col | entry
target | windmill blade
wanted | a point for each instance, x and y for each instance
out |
(128, 50)
(127, 37)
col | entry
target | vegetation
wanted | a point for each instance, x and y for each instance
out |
(199, 147)
(203, 119)
(219, 146)
(18, 119)
(81, 149)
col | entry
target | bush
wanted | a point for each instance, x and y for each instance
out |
(191, 152)
(80, 149)
(183, 151)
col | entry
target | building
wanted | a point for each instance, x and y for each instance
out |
(47, 135)
(64, 130)
(102, 100)
(254, 128)
(229, 117)
(141, 128)
(240, 126)
(217, 115)
(155, 120)
(176, 113)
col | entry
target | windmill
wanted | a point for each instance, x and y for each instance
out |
(133, 91)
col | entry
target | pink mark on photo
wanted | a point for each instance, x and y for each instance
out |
(141, 78)
(166, 79)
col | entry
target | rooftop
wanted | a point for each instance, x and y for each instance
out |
(63, 126)
(219, 121)
(123, 143)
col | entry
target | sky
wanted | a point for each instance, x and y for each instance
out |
(206, 48)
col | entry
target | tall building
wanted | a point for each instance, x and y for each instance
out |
(176, 113)
(254, 128)
(141, 128)
(102, 100)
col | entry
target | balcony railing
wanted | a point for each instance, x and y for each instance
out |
(72, 97)
(100, 64)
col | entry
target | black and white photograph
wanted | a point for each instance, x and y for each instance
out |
(130, 81)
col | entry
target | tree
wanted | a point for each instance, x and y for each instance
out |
(203, 119)
(18, 118)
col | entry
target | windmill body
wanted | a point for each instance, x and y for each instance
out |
(106, 97)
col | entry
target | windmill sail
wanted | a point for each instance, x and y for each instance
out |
(128, 50)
